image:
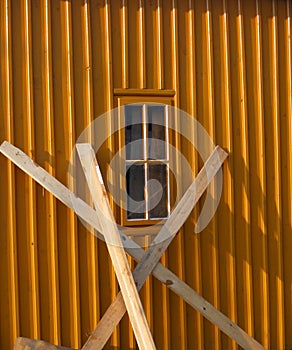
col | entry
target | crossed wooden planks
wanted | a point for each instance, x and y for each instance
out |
(150, 259)
(163, 274)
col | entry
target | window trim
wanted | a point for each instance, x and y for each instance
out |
(121, 101)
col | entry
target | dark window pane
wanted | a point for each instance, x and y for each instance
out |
(135, 192)
(157, 191)
(156, 131)
(133, 132)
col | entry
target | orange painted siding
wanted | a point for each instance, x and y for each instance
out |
(229, 65)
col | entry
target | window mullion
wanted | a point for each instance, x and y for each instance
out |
(167, 157)
(166, 131)
(145, 139)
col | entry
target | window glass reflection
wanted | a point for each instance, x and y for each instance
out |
(135, 178)
(157, 191)
(156, 131)
(134, 132)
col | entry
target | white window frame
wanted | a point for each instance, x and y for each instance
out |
(147, 161)
(141, 100)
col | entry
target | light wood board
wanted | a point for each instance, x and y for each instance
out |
(115, 247)
(88, 214)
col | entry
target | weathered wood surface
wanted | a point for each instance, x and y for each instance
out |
(30, 344)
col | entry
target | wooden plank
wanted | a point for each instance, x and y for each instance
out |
(159, 245)
(144, 92)
(115, 247)
(200, 304)
(84, 211)
(30, 344)
(180, 213)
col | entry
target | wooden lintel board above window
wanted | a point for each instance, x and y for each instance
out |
(140, 97)
(144, 92)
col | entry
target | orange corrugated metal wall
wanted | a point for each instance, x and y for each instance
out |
(229, 63)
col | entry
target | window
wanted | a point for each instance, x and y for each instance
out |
(141, 186)
(146, 162)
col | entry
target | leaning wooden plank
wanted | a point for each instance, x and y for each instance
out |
(150, 259)
(180, 214)
(200, 304)
(115, 247)
(88, 214)
(30, 344)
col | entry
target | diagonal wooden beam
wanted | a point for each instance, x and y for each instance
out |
(115, 247)
(159, 245)
(179, 287)
(84, 211)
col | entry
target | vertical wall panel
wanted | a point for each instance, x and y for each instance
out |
(257, 195)
(275, 253)
(175, 251)
(141, 44)
(24, 137)
(206, 116)
(229, 64)
(44, 145)
(124, 43)
(224, 127)
(188, 102)
(64, 140)
(286, 158)
(241, 171)
(9, 270)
